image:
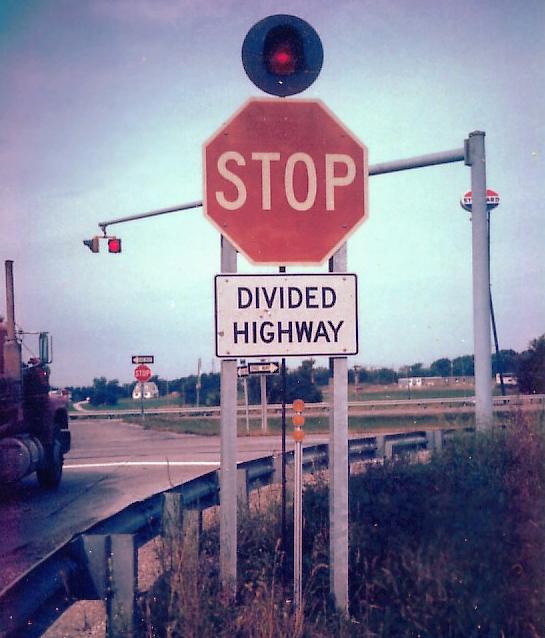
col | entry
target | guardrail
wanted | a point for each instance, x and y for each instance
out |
(101, 563)
(513, 401)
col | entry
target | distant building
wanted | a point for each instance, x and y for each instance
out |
(508, 378)
(151, 391)
(430, 382)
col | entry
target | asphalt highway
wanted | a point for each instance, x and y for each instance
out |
(111, 465)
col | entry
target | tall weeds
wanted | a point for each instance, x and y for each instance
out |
(453, 548)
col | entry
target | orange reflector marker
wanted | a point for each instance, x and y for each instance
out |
(298, 405)
(298, 420)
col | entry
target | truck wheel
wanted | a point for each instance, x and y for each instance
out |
(49, 476)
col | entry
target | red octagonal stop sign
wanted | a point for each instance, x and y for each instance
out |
(142, 373)
(285, 181)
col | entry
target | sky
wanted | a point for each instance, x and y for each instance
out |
(104, 109)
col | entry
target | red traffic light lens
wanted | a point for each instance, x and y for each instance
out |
(283, 50)
(283, 61)
(114, 245)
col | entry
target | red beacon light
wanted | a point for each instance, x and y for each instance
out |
(282, 55)
(283, 60)
(114, 245)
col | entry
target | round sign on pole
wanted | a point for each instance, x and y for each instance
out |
(492, 200)
(285, 181)
(142, 373)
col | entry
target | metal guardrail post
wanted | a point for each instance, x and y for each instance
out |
(180, 529)
(381, 450)
(171, 516)
(94, 586)
(435, 439)
(122, 582)
(242, 486)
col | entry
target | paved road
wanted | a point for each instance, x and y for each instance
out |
(111, 464)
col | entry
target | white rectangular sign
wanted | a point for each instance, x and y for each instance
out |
(286, 315)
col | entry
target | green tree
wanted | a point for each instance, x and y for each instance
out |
(441, 367)
(463, 366)
(418, 370)
(385, 376)
(209, 392)
(505, 361)
(105, 392)
(300, 384)
(531, 369)
(321, 376)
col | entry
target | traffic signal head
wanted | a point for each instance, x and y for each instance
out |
(114, 245)
(92, 244)
(282, 55)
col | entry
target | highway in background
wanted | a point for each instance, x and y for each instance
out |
(111, 465)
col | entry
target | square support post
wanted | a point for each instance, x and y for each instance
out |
(338, 469)
(228, 451)
(180, 529)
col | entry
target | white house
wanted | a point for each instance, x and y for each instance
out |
(151, 391)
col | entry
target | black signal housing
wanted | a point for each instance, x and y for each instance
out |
(282, 55)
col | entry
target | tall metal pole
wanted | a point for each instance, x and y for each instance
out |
(481, 281)
(338, 469)
(284, 524)
(228, 452)
(142, 400)
(12, 349)
(246, 407)
(298, 521)
(198, 383)
(263, 388)
(499, 365)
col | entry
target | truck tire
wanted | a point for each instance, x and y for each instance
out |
(50, 476)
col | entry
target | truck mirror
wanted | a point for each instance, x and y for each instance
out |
(45, 349)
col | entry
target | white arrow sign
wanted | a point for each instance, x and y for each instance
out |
(268, 367)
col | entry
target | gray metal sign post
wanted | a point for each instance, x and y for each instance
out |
(263, 389)
(338, 468)
(475, 158)
(228, 451)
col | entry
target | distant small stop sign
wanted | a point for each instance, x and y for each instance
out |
(285, 181)
(142, 373)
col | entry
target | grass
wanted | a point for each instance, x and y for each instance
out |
(133, 404)
(453, 548)
(207, 426)
(376, 393)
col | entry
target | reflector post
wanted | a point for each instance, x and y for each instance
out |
(298, 405)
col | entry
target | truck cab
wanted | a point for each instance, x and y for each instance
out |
(34, 426)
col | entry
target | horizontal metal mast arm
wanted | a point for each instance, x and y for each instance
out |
(446, 157)
(153, 213)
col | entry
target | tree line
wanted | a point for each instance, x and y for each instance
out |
(306, 380)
